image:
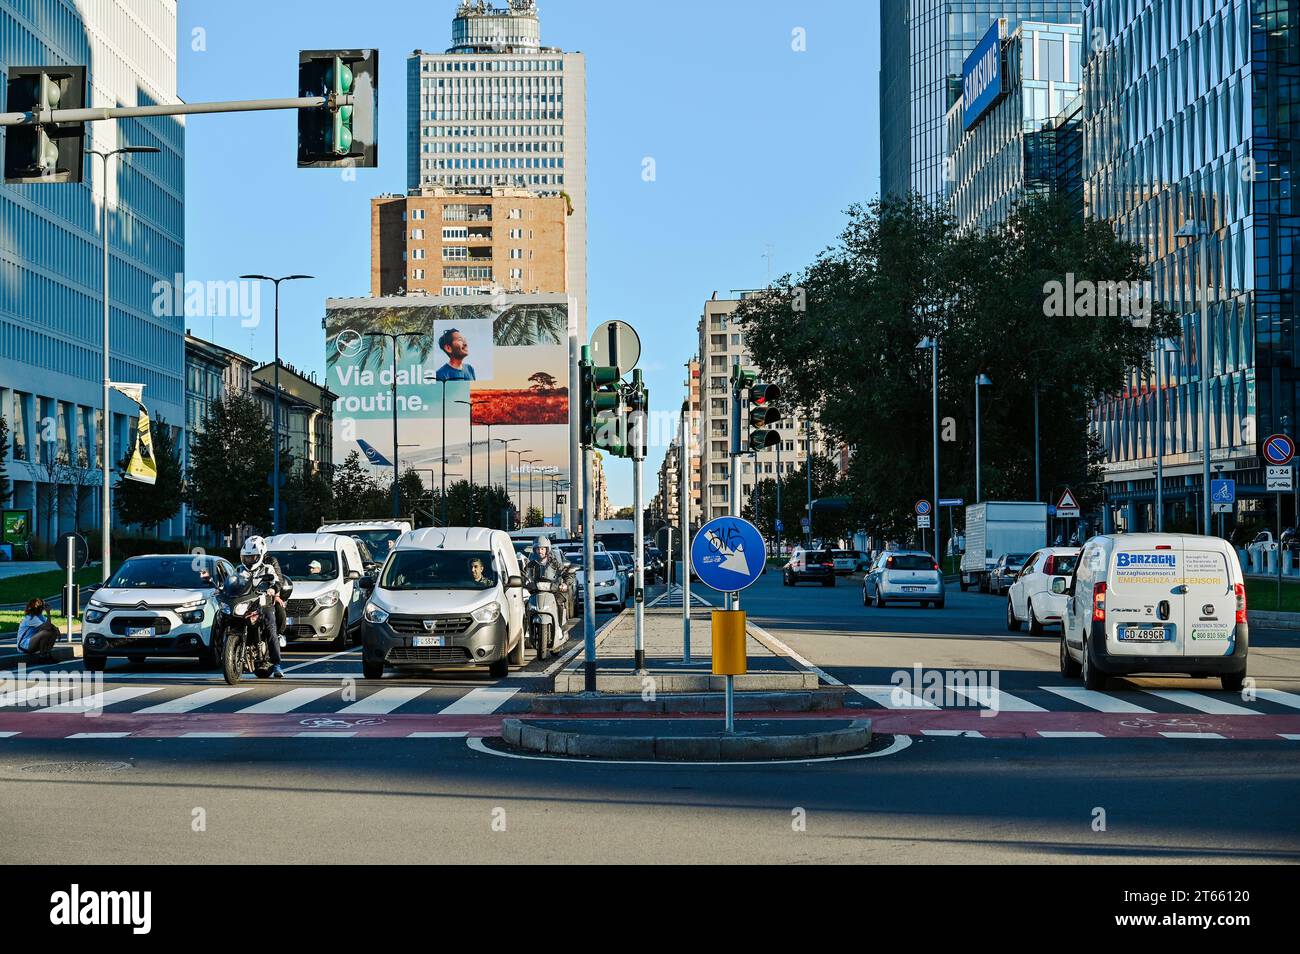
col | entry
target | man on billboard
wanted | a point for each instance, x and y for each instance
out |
(454, 345)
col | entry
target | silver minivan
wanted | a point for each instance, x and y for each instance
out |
(1155, 603)
(326, 602)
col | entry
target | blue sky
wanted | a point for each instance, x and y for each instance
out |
(757, 147)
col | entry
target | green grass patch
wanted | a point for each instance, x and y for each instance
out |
(9, 620)
(1262, 595)
(20, 589)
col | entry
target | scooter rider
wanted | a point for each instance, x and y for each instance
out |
(547, 564)
(262, 568)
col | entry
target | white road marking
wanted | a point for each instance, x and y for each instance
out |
(997, 699)
(209, 735)
(25, 697)
(323, 735)
(477, 744)
(1100, 701)
(1201, 702)
(436, 735)
(1294, 737)
(482, 701)
(969, 734)
(808, 666)
(893, 697)
(195, 700)
(8, 735)
(1191, 735)
(1070, 735)
(288, 701)
(383, 701)
(1290, 699)
(98, 735)
(356, 650)
(106, 698)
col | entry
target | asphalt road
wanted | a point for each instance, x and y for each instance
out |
(336, 772)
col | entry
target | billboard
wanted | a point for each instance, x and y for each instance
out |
(466, 369)
(982, 75)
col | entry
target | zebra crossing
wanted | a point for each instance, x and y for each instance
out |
(672, 597)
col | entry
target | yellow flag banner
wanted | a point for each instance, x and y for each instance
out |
(142, 466)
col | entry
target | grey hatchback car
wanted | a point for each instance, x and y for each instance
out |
(903, 576)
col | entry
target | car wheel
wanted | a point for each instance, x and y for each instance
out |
(1092, 677)
(1233, 682)
(880, 600)
(516, 655)
(1069, 668)
(1035, 627)
(940, 604)
(372, 668)
(830, 582)
(341, 640)
(94, 663)
(866, 601)
(208, 658)
(499, 669)
(1013, 624)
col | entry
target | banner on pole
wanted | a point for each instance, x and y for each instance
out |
(142, 466)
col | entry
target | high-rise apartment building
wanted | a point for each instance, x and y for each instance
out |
(51, 281)
(500, 110)
(923, 46)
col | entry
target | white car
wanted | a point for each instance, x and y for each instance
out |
(162, 605)
(607, 580)
(1030, 598)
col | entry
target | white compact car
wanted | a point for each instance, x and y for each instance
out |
(903, 576)
(1030, 598)
(163, 605)
(607, 581)
(1155, 603)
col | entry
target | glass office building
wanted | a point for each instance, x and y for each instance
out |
(939, 35)
(1012, 150)
(1191, 114)
(51, 280)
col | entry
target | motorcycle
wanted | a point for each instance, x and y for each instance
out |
(243, 631)
(545, 616)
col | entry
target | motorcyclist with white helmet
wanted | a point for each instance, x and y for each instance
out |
(262, 569)
(546, 563)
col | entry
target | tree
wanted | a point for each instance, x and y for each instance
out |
(542, 381)
(231, 461)
(150, 504)
(307, 500)
(6, 488)
(841, 338)
(356, 493)
(624, 513)
(534, 518)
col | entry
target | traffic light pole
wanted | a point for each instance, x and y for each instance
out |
(638, 537)
(48, 116)
(684, 509)
(733, 599)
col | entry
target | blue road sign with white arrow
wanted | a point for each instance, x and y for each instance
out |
(728, 554)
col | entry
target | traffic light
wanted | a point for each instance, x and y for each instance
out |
(636, 400)
(339, 135)
(762, 414)
(50, 152)
(600, 406)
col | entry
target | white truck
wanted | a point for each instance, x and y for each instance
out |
(995, 527)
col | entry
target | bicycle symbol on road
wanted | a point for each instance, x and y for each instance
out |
(1164, 723)
(339, 723)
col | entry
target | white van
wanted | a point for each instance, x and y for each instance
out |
(377, 536)
(1155, 603)
(325, 568)
(446, 596)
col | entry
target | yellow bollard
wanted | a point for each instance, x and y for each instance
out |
(729, 643)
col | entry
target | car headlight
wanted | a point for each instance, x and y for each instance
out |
(487, 614)
(329, 598)
(192, 616)
(607, 582)
(375, 614)
(95, 614)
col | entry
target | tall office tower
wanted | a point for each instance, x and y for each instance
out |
(918, 88)
(500, 110)
(1191, 116)
(51, 281)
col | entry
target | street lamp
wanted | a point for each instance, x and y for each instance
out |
(519, 463)
(1164, 347)
(505, 443)
(473, 509)
(275, 402)
(393, 337)
(981, 381)
(931, 343)
(1199, 231)
(530, 462)
(106, 514)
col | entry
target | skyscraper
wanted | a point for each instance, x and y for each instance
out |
(51, 282)
(918, 88)
(499, 109)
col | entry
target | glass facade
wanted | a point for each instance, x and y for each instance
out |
(940, 35)
(1190, 114)
(1012, 150)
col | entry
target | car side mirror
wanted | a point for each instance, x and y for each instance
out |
(354, 575)
(514, 582)
(366, 582)
(1058, 586)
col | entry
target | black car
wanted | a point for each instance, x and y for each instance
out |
(816, 566)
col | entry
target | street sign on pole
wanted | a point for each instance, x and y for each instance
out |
(1223, 494)
(615, 344)
(922, 508)
(923, 522)
(1278, 450)
(1067, 507)
(780, 526)
(952, 501)
(1279, 477)
(728, 554)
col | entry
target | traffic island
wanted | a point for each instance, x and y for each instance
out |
(818, 700)
(688, 740)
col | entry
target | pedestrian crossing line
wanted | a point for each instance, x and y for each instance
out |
(99, 735)
(1191, 735)
(195, 700)
(288, 701)
(1070, 735)
(964, 733)
(997, 699)
(210, 735)
(384, 701)
(893, 697)
(25, 697)
(8, 735)
(323, 735)
(1290, 736)
(482, 701)
(1289, 699)
(102, 699)
(1100, 701)
(436, 735)
(1201, 702)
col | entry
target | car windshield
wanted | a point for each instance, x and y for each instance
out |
(439, 570)
(845, 554)
(378, 542)
(307, 564)
(1017, 559)
(162, 573)
(817, 556)
(603, 561)
(909, 561)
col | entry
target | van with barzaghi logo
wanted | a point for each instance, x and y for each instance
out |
(1155, 603)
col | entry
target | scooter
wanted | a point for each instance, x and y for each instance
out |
(545, 619)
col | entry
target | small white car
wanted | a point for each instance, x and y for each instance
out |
(903, 576)
(1030, 598)
(607, 581)
(162, 605)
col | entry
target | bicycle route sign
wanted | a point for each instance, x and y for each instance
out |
(728, 554)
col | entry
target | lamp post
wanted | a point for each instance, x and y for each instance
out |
(519, 463)
(531, 462)
(275, 402)
(981, 381)
(473, 504)
(1165, 346)
(106, 513)
(505, 443)
(393, 337)
(931, 343)
(1199, 231)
